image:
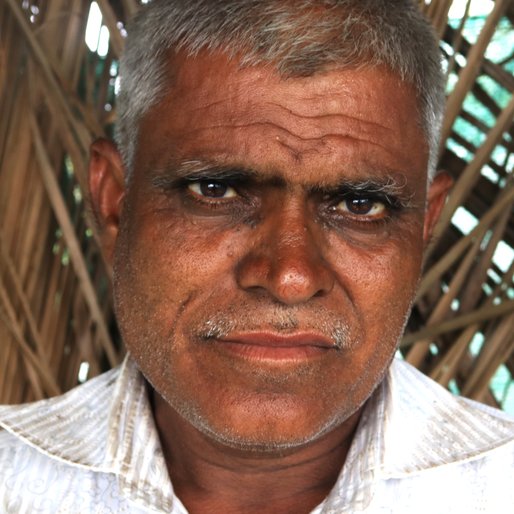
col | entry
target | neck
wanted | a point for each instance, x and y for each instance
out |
(210, 477)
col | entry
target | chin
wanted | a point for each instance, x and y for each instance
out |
(260, 441)
(271, 427)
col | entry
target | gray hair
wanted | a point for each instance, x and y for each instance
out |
(298, 37)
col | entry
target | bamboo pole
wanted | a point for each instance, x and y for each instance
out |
(458, 39)
(71, 240)
(116, 40)
(479, 273)
(498, 347)
(131, 7)
(483, 314)
(471, 174)
(25, 307)
(417, 353)
(43, 377)
(448, 365)
(470, 72)
(48, 70)
(440, 16)
(504, 201)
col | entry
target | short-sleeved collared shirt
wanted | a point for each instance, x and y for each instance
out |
(417, 449)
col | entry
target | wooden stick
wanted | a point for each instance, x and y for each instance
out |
(131, 7)
(457, 40)
(417, 353)
(71, 240)
(48, 72)
(447, 366)
(472, 69)
(116, 41)
(498, 347)
(482, 314)
(471, 174)
(26, 310)
(430, 277)
(43, 377)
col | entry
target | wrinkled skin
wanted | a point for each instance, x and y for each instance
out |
(290, 239)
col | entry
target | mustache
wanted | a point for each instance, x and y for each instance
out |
(278, 319)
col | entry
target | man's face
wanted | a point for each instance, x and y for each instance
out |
(270, 246)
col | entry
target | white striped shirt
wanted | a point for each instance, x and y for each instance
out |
(417, 450)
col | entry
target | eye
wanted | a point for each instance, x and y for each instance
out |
(212, 189)
(362, 206)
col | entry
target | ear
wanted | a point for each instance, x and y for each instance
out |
(437, 193)
(106, 189)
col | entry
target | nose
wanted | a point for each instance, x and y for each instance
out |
(286, 259)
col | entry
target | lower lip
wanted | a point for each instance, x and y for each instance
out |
(271, 353)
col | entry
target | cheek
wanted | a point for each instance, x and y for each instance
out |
(179, 253)
(381, 282)
(161, 263)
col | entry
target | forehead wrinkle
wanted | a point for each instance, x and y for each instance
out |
(248, 105)
(304, 127)
(207, 96)
(230, 97)
(360, 131)
(322, 137)
(323, 116)
(328, 116)
(323, 140)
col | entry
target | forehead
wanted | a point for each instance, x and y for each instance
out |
(356, 120)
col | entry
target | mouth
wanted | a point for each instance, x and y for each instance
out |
(272, 346)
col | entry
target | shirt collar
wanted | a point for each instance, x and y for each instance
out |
(71, 427)
(411, 425)
(425, 426)
(133, 446)
(105, 425)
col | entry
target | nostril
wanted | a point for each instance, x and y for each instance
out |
(321, 293)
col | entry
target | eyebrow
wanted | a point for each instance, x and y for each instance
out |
(390, 185)
(392, 189)
(193, 170)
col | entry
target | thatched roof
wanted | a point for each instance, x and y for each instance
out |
(56, 96)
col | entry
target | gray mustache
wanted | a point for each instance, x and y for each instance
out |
(221, 324)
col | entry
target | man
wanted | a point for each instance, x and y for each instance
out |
(266, 213)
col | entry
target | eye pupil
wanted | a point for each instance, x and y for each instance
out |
(359, 205)
(213, 189)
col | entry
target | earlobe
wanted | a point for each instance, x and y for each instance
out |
(106, 189)
(437, 193)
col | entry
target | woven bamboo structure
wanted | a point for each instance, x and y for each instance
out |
(57, 96)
